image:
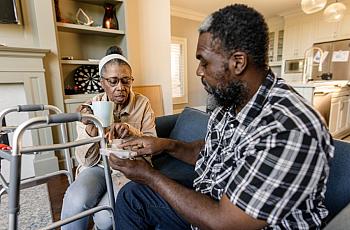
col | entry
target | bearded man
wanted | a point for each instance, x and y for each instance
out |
(264, 161)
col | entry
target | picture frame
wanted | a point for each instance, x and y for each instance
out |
(10, 12)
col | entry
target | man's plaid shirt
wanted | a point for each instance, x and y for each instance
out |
(270, 159)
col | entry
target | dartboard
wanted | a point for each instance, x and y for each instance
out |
(87, 79)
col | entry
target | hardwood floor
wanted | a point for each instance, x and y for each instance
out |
(57, 186)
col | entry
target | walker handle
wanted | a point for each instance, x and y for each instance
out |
(30, 108)
(63, 118)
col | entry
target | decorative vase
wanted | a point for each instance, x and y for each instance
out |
(109, 19)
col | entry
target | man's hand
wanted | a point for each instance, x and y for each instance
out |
(118, 131)
(138, 170)
(146, 145)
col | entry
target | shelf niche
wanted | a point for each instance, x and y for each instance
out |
(86, 45)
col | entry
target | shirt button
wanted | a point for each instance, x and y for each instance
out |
(234, 124)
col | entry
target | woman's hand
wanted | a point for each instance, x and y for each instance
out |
(90, 128)
(85, 109)
(118, 131)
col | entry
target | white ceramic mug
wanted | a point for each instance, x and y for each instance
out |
(116, 143)
(103, 110)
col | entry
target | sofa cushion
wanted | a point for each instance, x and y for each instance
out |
(191, 125)
(164, 125)
(338, 185)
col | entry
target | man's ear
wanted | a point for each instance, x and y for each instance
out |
(239, 62)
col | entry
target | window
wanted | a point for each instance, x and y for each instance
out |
(178, 52)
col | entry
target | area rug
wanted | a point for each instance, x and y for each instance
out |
(35, 210)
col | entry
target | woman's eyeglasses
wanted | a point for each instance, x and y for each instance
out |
(114, 81)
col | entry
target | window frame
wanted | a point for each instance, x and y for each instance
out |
(183, 43)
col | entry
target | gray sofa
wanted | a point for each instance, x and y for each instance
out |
(191, 125)
(188, 126)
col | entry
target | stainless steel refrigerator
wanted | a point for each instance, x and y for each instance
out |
(335, 61)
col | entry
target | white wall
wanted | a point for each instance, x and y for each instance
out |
(38, 31)
(45, 30)
(148, 31)
(147, 28)
(27, 169)
(181, 27)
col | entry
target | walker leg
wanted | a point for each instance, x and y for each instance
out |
(15, 177)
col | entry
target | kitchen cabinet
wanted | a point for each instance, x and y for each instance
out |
(339, 118)
(291, 49)
(301, 31)
(326, 31)
(271, 46)
(344, 26)
(298, 36)
(332, 100)
(279, 47)
(334, 115)
(329, 31)
(275, 47)
(344, 113)
(339, 115)
(276, 35)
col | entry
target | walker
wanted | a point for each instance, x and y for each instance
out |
(14, 157)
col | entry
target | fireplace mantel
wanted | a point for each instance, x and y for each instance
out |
(22, 59)
(22, 81)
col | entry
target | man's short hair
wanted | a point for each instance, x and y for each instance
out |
(239, 28)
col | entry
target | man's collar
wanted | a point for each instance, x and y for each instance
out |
(256, 103)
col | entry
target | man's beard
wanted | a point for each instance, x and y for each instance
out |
(234, 94)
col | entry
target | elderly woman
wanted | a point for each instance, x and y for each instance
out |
(133, 116)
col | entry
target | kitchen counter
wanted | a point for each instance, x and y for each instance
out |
(332, 100)
(338, 83)
(322, 86)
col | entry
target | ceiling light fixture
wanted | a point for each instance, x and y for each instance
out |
(312, 6)
(334, 12)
